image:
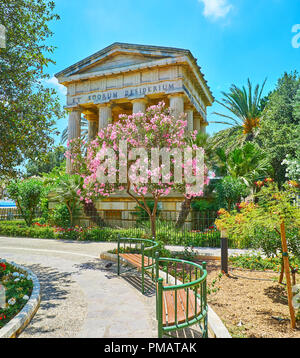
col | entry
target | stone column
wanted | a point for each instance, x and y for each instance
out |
(190, 119)
(74, 131)
(92, 129)
(92, 119)
(105, 115)
(203, 127)
(197, 123)
(139, 105)
(177, 104)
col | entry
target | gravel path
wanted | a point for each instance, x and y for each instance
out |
(80, 296)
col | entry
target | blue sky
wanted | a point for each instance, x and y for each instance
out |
(232, 39)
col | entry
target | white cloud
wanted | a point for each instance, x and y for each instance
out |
(216, 8)
(54, 82)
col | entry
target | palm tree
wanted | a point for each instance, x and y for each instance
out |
(247, 163)
(66, 193)
(245, 105)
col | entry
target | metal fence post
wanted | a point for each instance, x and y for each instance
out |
(224, 252)
(118, 254)
(159, 307)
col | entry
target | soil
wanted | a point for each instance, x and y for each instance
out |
(252, 304)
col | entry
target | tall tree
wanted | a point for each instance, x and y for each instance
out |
(46, 163)
(245, 105)
(282, 101)
(27, 107)
(296, 106)
(279, 132)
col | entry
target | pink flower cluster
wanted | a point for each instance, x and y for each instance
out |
(156, 128)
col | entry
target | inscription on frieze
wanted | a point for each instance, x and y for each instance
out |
(134, 92)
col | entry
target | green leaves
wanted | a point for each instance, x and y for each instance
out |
(44, 164)
(27, 195)
(244, 104)
(27, 108)
(66, 192)
(230, 191)
(247, 163)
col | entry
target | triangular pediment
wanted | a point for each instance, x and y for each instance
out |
(118, 60)
(121, 55)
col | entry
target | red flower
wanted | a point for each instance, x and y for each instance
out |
(3, 266)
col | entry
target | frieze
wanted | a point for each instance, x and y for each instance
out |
(129, 92)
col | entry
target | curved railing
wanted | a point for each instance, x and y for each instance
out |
(130, 248)
(180, 295)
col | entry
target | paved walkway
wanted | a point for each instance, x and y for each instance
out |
(80, 296)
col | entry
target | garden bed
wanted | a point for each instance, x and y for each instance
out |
(252, 304)
(20, 297)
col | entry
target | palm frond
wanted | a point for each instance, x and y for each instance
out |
(244, 103)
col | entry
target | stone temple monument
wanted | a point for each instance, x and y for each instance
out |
(126, 78)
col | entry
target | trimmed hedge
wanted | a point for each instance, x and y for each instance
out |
(19, 229)
(167, 236)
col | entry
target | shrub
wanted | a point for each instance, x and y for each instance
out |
(20, 229)
(204, 205)
(60, 216)
(230, 191)
(260, 223)
(259, 263)
(67, 192)
(27, 195)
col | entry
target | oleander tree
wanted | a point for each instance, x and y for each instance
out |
(146, 155)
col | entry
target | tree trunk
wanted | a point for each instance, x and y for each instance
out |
(249, 137)
(281, 272)
(153, 226)
(91, 211)
(184, 212)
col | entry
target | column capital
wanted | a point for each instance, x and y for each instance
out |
(90, 115)
(73, 109)
(177, 94)
(104, 105)
(139, 100)
(189, 107)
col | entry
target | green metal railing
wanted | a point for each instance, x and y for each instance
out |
(187, 276)
(144, 247)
